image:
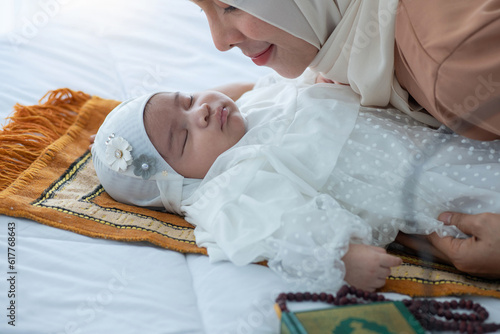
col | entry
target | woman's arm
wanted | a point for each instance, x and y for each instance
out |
(422, 246)
(235, 90)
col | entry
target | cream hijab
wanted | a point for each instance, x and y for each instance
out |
(355, 39)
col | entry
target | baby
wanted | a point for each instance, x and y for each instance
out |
(294, 174)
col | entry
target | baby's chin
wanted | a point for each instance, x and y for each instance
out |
(245, 121)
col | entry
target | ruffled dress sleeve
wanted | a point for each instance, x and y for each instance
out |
(303, 238)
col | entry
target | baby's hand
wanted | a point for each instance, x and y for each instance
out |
(91, 139)
(322, 79)
(367, 267)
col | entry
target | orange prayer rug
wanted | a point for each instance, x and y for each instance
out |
(46, 175)
(419, 277)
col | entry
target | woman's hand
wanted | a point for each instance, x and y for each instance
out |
(478, 255)
(367, 267)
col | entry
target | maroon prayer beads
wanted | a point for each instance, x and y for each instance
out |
(432, 314)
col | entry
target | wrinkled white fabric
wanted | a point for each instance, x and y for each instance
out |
(315, 172)
(355, 39)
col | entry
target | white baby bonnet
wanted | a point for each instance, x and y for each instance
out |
(127, 164)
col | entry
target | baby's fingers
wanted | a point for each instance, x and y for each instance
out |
(91, 139)
(388, 261)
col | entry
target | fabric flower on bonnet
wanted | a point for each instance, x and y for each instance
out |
(118, 155)
(145, 166)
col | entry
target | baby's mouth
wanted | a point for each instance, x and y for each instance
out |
(223, 116)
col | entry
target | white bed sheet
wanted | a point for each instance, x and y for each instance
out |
(69, 283)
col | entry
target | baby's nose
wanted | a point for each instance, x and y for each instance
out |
(203, 115)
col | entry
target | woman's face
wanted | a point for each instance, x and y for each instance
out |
(265, 44)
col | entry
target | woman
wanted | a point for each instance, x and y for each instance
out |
(446, 57)
(446, 51)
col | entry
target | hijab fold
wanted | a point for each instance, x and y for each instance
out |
(355, 39)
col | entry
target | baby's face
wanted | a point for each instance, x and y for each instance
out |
(191, 130)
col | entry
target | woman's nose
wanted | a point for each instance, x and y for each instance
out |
(225, 35)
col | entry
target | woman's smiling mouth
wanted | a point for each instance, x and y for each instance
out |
(262, 58)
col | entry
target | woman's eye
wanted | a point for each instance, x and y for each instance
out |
(191, 101)
(229, 9)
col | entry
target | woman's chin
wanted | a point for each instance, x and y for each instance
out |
(289, 73)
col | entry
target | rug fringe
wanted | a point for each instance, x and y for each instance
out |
(31, 129)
